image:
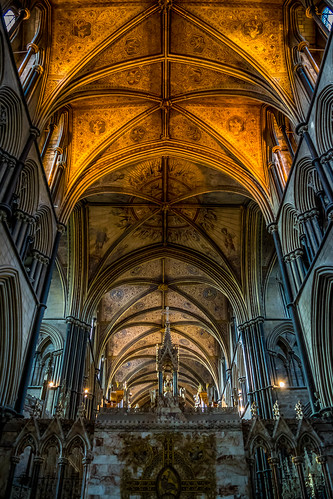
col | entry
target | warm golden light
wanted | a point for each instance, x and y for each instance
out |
(51, 384)
(86, 390)
(282, 384)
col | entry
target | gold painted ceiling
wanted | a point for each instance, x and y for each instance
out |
(166, 103)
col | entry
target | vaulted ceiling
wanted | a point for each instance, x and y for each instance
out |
(167, 103)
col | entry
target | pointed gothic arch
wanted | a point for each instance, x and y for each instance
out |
(10, 334)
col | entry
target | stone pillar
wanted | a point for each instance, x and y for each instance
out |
(36, 72)
(284, 172)
(273, 462)
(86, 461)
(275, 180)
(293, 313)
(322, 460)
(298, 462)
(299, 70)
(255, 357)
(62, 463)
(32, 48)
(304, 47)
(38, 461)
(33, 340)
(283, 129)
(73, 360)
(51, 129)
(175, 383)
(160, 383)
(14, 460)
(7, 165)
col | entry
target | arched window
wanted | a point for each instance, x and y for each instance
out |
(327, 18)
(9, 18)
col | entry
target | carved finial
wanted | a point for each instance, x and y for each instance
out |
(81, 412)
(276, 410)
(299, 410)
(254, 410)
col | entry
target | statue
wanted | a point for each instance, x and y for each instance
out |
(182, 392)
(167, 386)
(152, 394)
(81, 412)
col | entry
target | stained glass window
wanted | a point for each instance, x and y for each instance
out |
(327, 18)
(9, 18)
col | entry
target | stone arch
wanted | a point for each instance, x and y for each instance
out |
(324, 119)
(307, 184)
(289, 234)
(10, 334)
(28, 188)
(44, 233)
(322, 320)
(10, 122)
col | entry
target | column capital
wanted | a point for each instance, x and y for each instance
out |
(276, 149)
(302, 45)
(62, 461)
(61, 227)
(38, 460)
(297, 460)
(272, 227)
(15, 459)
(273, 461)
(33, 47)
(301, 129)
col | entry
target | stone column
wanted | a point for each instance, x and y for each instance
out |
(275, 179)
(14, 460)
(36, 72)
(32, 48)
(33, 340)
(299, 70)
(283, 129)
(322, 460)
(86, 461)
(304, 47)
(62, 463)
(284, 171)
(293, 313)
(273, 462)
(298, 462)
(38, 461)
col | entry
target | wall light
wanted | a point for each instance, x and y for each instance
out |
(282, 384)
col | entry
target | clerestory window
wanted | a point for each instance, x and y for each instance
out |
(327, 18)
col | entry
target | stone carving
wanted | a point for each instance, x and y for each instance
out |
(254, 410)
(276, 410)
(132, 45)
(209, 293)
(228, 239)
(194, 133)
(253, 28)
(97, 126)
(138, 133)
(236, 125)
(195, 75)
(81, 28)
(299, 410)
(133, 76)
(198, 43)
(117, 294)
